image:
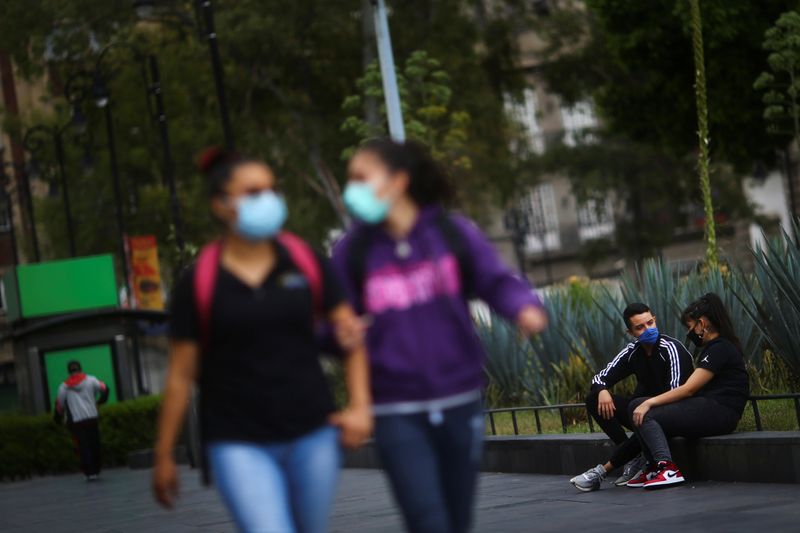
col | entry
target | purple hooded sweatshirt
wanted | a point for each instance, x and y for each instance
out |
(422, 341)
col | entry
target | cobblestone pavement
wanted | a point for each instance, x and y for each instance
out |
(121, 502)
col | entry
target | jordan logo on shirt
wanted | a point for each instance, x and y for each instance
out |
(705, 360)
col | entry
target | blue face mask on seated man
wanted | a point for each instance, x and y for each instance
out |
(260, 216)
(650, 336)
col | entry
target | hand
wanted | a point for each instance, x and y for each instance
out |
(355, 424)
(532, 320)
(351, 334)
(605, 405)
(165, 482)
(640, 412)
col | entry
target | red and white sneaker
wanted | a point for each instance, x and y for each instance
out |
(668, 474)
(642, 477)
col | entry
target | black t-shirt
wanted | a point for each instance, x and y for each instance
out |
(730, 385)
(261, 378)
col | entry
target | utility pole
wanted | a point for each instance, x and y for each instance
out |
(393, 110)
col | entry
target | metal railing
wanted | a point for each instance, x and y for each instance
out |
(561, 408)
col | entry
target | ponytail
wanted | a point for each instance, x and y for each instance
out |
(711, 307)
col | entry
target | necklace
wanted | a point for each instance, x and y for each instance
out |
(403, 250)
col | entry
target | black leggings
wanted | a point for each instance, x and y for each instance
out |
(627, 447)
(692, 418)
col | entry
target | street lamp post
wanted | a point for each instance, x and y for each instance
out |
(169, 164)
(207, 10)
(101, 95)
(103, 101)
(94, 86)
(151, 79)
(385, 55)
(204, 22)
(33, 142)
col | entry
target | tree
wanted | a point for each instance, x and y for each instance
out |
(289, 65)
(781, 85)
(634, 61)
(425, 96)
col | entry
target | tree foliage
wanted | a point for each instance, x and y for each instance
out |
(634, 59)
(288, 66)
(781, 84)
(425, 97)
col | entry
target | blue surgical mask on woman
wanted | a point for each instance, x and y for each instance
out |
(650, 336)
(260, 216)
(362, 202)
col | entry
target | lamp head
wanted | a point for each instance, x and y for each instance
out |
(100, 92)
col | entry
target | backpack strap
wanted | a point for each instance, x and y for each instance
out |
(306, 261)
(207, 268)
(457, 244)
(205, 281)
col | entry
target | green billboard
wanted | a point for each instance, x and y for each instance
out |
(64, 286)
(95, 360)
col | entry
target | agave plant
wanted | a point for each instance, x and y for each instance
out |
(655, 284)
(774, 302)
(509, 363)
(728, 285)
(553, 346)
(601, 328)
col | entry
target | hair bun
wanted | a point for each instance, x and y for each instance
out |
(212, 156)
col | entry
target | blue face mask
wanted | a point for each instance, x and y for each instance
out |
(650, 336)
(260, 216)
(362, 203)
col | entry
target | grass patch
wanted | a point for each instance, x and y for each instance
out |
(576, 422)
(776, 415)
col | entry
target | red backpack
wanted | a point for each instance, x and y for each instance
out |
(207, 268)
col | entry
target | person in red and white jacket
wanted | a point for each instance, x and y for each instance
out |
(78, 397)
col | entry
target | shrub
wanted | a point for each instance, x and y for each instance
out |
(35, 445)
(773, 301)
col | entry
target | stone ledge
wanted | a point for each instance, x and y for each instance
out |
(768, 456)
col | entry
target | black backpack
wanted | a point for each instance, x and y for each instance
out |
(452, 234)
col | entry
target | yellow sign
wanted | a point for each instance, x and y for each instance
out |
(145, 272)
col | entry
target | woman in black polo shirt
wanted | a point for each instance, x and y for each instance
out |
(268, 426)
(711, 402)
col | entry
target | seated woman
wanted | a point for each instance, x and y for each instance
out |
(711, 401)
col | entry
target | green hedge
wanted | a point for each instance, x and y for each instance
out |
(35, 445)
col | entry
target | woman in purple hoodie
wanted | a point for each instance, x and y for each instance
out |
(410, 268)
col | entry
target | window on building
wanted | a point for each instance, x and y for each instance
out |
(596, 219)
(578, 120)
(538, 210)
(523, 110)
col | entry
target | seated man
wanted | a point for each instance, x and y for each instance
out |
(660, 363)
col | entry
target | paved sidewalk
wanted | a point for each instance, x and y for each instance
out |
(121, 502)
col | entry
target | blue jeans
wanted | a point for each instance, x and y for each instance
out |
(432, 460)
(279, 487)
